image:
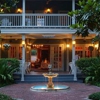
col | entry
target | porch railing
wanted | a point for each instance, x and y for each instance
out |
(35, 20)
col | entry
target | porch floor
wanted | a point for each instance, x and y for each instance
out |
(40, 73)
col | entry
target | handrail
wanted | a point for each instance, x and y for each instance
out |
(35, 20)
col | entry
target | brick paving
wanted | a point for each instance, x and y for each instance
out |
(77, 91)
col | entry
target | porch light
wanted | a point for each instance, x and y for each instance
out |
(48, 10)
(37, 46)
(19, 10)
(23, 43)
(68, 45)
(73, 42)
(1, 10)
(96, 46)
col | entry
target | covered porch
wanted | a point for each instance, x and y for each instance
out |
(22, 49)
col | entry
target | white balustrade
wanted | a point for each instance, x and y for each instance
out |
(35, 20)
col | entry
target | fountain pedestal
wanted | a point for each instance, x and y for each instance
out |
(50, 77)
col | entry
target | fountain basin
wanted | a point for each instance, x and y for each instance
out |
(50, 75)
(42, 88)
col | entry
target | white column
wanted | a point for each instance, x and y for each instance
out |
(68, 55)
(23, 13)
(23, 57)
(73, 8)
(73, 58)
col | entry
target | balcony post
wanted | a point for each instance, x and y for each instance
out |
(23, 13)
(73, 8)
(23, 57)
(73, 58)
(68, 48)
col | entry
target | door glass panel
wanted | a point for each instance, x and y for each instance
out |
(56, 57)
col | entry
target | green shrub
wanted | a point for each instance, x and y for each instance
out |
(95, 96)
(5, 97)
(6, 73)
(10, 61)
(91, 68)
(7, 67)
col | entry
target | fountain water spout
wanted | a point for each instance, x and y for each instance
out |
(50, 76)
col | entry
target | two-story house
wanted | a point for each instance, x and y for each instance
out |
(43, 25)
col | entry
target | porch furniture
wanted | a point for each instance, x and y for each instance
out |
(37, 64)
(20, 69)
(40, 21)
(72, 68)
(27, 67)
(44, 65)
(5, 22)
(27, 21)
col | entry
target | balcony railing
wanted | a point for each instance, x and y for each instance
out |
(35, 20)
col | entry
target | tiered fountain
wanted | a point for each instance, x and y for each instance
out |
(50, 85)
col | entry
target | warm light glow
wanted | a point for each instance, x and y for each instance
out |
(96, 46)
(73, 42)
(1, 10)
(68, 45)
(37, 46)
(23, 42)
(48, 10)
(0, 45)
(19, 10)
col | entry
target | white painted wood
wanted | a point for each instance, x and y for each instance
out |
(73, 9)
(54, 57)
(73, 59)
(35, 20)
(23, 58)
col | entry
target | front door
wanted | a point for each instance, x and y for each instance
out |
(56, 57)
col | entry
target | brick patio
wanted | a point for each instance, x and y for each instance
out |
(77, 91)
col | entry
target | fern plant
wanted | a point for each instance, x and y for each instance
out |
(6, 73)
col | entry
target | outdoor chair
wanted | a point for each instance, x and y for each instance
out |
(27, 21)
(27, 67)
(72, 68)
(5, 22)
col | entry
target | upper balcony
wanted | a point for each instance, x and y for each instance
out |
(35, 21)
(34, 17)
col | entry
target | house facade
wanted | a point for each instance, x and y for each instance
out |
(44, 26)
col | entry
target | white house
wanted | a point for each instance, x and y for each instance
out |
(44, 25)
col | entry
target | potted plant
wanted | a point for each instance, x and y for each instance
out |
(34, 52)
(33, 55)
